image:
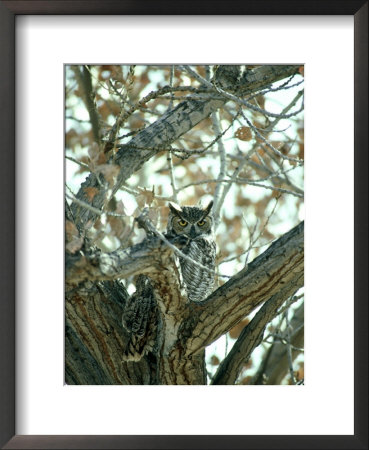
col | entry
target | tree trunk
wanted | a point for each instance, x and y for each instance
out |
(95, 337)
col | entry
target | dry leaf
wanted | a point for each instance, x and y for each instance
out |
(236, 331)
(117, 226)
(146, 197)
(74, 245)
(74, 240)
(90, 193)
(244, 134)
(110, 171)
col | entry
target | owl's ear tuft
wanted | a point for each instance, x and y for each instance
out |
(208, 208)
(176, 209)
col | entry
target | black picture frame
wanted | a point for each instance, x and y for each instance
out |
(8, 12)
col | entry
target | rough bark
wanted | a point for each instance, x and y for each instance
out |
(95, 337)
(186, 327)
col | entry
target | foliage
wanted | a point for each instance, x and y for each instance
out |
(247, 155)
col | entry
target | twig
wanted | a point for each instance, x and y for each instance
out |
(252, 239)
(272, 175)
(172, 179)
(237, 99)
(85, 166)
(283, 86)
(245, 251)
(222, 169)
(288, 348)
(287, 108)
(84, 204)
(77, 120)
(171, 76)
(242, 179)
(188, 153)
(122, 115)
(169, 158)
(91, 208)
(272, 188)
(268, 144)
(290, 302)
(84, 78)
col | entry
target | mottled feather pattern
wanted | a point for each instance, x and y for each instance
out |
(140, 320)
(193, 226)
(199, 282)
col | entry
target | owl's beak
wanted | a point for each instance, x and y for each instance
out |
(192, 233)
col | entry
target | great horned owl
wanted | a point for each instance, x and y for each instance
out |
(193, 226)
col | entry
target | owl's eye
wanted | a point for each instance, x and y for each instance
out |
(183, 223)
(201, 223)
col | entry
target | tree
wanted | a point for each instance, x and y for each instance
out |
(146, 135)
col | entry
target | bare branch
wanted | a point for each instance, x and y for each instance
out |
(250, 337)
(84, 78)
(288, 348)
(239, 100)
(222, 170)
(161, 133)
(274, 366)
(172, 179)
(268, 144)
(284, 111)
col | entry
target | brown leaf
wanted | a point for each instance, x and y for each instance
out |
(110, 171)
(260, 101)
(300, 373)
(90, 193)
(74, 240)
(244, 134)
(246, 380)
(74, 245)
(119, 207)
(301, 151)
(71, 138)
(236, 331)
(117, 226)
(70, 228)
(93, 151)
(84, 160)
(145, 197)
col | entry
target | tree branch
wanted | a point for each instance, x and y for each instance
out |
(159, 135)
(275, 364)
(188, 327)
(148, 256)
(84, 79)
(281, 265)
(250, 337)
